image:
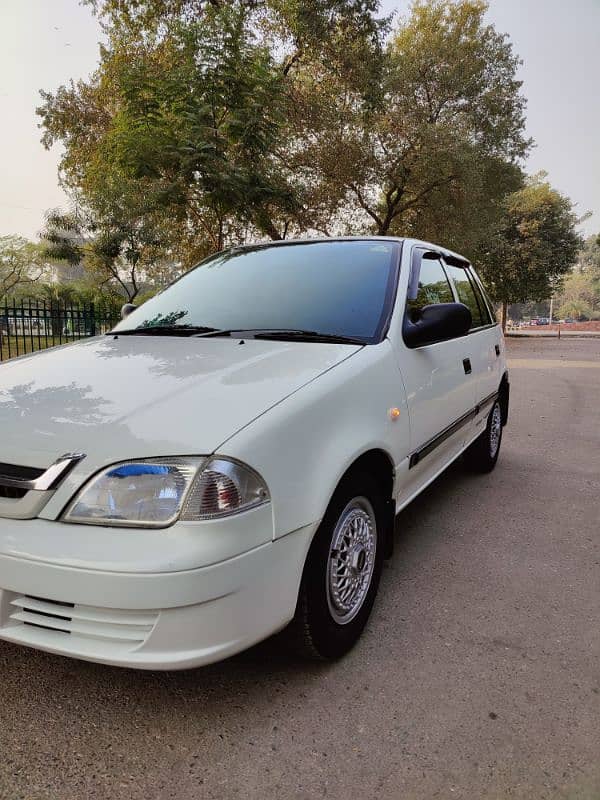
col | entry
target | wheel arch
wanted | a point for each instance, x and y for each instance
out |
(379, 464)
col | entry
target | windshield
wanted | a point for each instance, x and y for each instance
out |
(341, 288)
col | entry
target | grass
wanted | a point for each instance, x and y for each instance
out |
(11, 346)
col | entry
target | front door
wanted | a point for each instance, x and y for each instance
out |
(440, 383)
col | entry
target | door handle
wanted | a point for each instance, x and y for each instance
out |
(467, 366)
(497, 348)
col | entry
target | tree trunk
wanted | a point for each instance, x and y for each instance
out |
(268, 227)
(503, 314)
(56, 324)
(221, 236)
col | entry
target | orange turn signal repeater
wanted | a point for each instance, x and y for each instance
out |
(394, 413)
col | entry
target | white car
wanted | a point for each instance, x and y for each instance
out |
(229, 460)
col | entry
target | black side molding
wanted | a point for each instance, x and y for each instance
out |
(441, 437)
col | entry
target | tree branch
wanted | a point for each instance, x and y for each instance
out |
(364, 205)
(418, 197)
(290, 61)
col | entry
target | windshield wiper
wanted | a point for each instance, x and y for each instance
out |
(284, 334)
(165, 330)
(309, 336)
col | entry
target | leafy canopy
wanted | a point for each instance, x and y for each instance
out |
(117, 251)
(208, 123)
(21, 263)
(190, 101)
(580, 293)
(534, 245)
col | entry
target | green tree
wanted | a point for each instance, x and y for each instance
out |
(21, 263)
(583, 288)
(116, 247)
(580, 293)
(266, 118)
(438, 147)
(575, 308)
(589, 258)
(534, 245)
(189, 105)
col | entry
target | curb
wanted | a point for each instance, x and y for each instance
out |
(554, 335)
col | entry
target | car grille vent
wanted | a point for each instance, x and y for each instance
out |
(18, 473)
(59, 611)
(107, 624)
(11, 493)
(21, 473)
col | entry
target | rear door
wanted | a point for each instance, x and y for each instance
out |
(487, 343)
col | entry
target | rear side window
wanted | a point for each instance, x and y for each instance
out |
(434, 286)
(479, 290)
(469, 294)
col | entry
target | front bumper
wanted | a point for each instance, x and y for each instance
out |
(153, 620)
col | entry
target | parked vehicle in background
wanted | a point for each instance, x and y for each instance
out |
(229, 460)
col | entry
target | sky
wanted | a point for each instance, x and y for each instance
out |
(46, 43)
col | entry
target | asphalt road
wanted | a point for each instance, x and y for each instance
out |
(479, 676)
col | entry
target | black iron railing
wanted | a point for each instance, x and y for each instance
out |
(29, 326)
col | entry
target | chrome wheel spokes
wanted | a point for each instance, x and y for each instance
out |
(495, 430)
(351, 560)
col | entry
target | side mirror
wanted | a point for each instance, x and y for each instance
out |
(127, 309)
(436, 323)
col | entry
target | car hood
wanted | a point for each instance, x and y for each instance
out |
(138, 396)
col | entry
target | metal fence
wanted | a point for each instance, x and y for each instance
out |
(29, 326)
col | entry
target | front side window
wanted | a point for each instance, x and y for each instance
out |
(337, 288)
(433, 286)
(466, 294)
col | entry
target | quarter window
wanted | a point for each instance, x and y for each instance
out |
(434, 286)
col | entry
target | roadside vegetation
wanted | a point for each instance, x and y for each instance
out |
(579, 296)
(209, 124)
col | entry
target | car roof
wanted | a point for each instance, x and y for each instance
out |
(327, 239)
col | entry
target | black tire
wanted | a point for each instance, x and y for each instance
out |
(315, 632)
(482, 455)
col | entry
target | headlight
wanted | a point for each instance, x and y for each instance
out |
(154, 493)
